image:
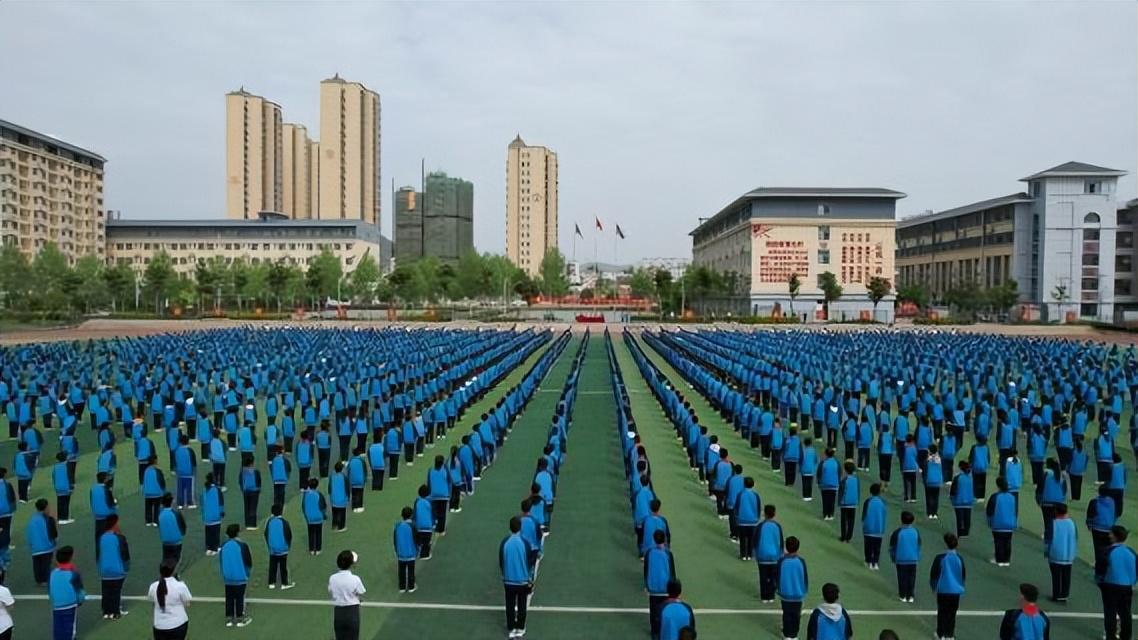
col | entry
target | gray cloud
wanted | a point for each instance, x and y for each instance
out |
(660, 113)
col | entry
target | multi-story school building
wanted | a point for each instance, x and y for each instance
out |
(768, 234)
(1066, 242)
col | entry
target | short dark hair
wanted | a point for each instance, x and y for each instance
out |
(658, 536)
(675, 588)
(1029, 592)
(951, 541)
(41, 504)
(888, 634)
(830, 592)
(907, 517)
(1119, 533)
(406, 513)
(345, 559)
(64, 554)
(515, 524)
(792, 545)
(769, 510)
(277, 509)
(233, 530)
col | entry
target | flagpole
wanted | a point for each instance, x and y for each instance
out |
(575, 229)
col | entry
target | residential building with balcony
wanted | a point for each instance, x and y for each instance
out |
(50, 191)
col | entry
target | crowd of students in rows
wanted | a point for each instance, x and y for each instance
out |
(757, 404)
(411, 393)
(520, 552)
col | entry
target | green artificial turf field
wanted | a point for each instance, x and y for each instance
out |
(589, 584)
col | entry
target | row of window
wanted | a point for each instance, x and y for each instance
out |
(229, 246)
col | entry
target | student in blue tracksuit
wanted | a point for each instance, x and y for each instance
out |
(748, 506)
(25, 469)
(946, 578)
(793, 585)
(185, 469)
(828, 474)
(768, 550)
(676, 616)
(171, 530)
(323, 441)
(65, 590)
(933, 475)
(236, 563)
(249, 480)
(1116, 572)
(1027, 622)
(213, 510)
(1100, 520)
(357, 479)
(377, 460)
(905, 552)
(339, 497)
(734, 488)
(114, 563)
(315, 509)
(61, 481)
(962, 497)
(41, 534)
(280, 468)
(305, 455)
(1003, 521)
(439, 484)
(278, 539)
(392, 445)
(659, 570)
(153, 488)
(217, 453)
(517, 579)
(424, 522)
(873, 517)
(1051, 491)
(406, 551)
(829, 621)
(849, 496)
(1061, 553)
(809, 468)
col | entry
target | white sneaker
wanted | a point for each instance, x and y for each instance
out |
(286, 587)
(272, 586)
(413, 589)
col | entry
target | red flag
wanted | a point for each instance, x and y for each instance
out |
(600, 227)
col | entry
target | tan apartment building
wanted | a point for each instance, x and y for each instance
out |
(254, 155)
(349, 151)
(531, 204)
(771, 233)
(267, 238)
(50, 191)
(300, 188)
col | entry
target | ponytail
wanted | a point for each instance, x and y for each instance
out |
(165, 571)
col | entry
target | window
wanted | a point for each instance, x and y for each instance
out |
(1092, 186)
(1124, 287)
(1090, 259)
(1091, 218)
(823, 209)
(1036, 189)
(1090, 235)
(823, 256)
(1090, 284)
(824, 232)
(1125, 239)
(1088, 310)
(1124, 263)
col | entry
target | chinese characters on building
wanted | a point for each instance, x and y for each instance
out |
(782, 258)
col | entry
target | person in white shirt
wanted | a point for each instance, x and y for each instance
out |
(171, 597)
(6, 602)
(346, 588)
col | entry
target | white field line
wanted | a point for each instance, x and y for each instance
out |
(442, 606)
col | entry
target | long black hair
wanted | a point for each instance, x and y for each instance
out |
(166, 570)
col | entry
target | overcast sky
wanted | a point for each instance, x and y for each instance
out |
(659, 113)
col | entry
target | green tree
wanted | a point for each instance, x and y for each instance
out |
(159, 279)
(504, 275)
(527, 287)
(1060, 295)
(472, 277)
(915, 293)
(15, 276)
(256, 285)
(364, 279)
(1003, 297)
(552, 270)
(92, 288)
(238, 279)
(52, 279)
(323, 276)
(793, 287)
(831, 290)
(966, 298)
(664, 288)
(120, 281)
(643, 283)
(878, 288)
(405, 283)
